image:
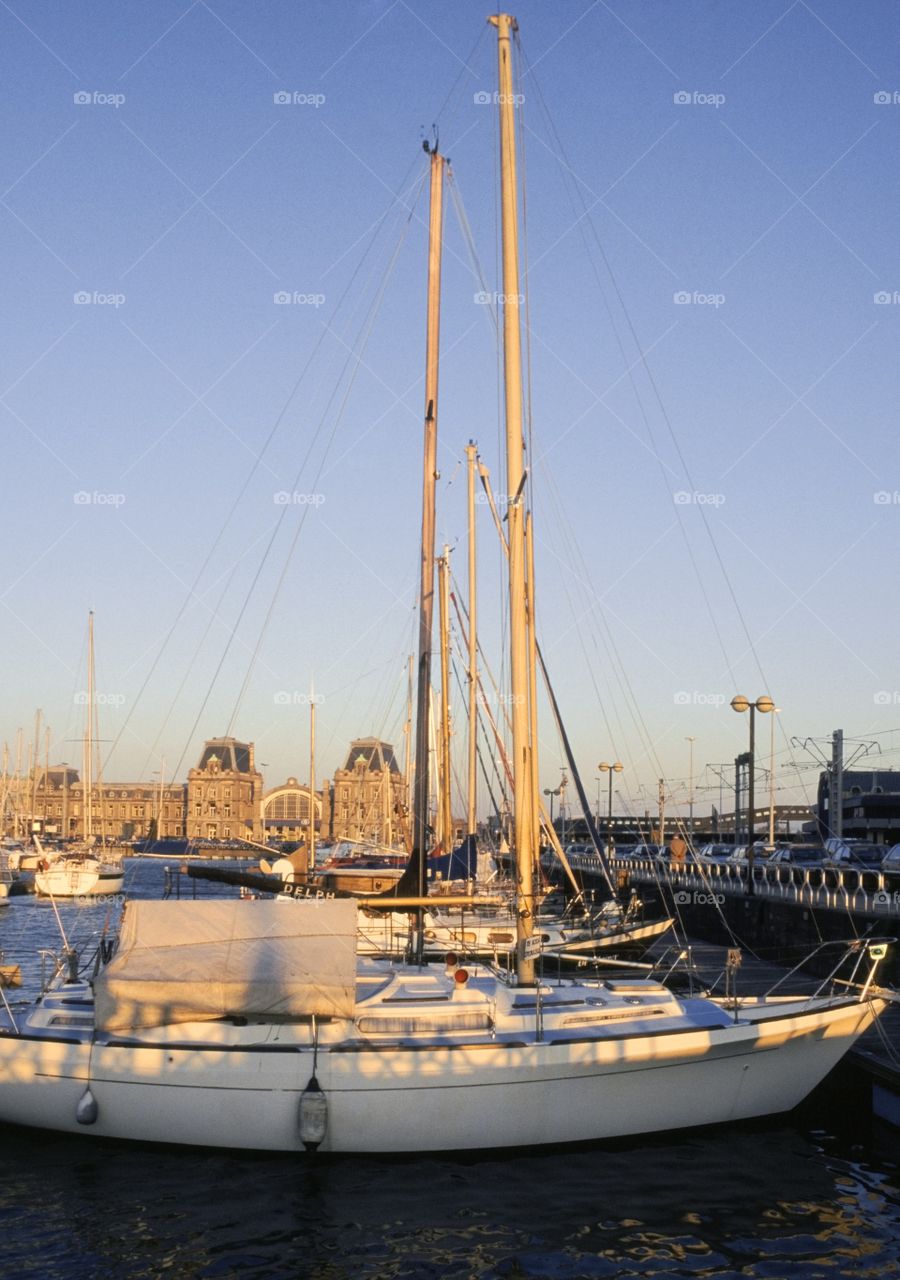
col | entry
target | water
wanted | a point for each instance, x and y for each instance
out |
(785, 1198)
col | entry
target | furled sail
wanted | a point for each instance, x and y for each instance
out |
(195, 961)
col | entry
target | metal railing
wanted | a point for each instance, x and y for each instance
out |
(829, 888)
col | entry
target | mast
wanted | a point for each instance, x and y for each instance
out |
(473, 649)
(429, 477)
(89, 738)
(407, 742)
(36, 758)
(515, 483)
(532, 693)
(311, 845)
(444, 771)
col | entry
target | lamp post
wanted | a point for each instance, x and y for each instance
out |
(551, 794)
(604, 767)
(775, 711)
(741, 704)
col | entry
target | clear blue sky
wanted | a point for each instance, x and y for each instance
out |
(742, 157)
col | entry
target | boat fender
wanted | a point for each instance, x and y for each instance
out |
(44, 865)
(313, 1115)
(86, 1112)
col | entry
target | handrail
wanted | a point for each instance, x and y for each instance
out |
(829, 888)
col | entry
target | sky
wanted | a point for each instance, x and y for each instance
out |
(214, 221)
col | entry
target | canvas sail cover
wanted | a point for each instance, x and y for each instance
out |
(190, 961)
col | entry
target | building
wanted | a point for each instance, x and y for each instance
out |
(224, 793)
(223, 799)
(367, 799)
(286, 812)
(119, 810)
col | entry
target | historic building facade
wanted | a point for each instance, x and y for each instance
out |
(366, 800)
(224, 793)
(223, 799)
(286, 812)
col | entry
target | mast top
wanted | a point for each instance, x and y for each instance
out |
(502, 20)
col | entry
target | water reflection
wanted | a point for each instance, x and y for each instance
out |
(765, 1201)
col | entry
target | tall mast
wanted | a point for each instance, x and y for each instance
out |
(429, 477)
(407, 737)
(36, 759)
(444, 585)
(525, 826)
(311, 847)
(473, 648)
(532, 688)
(89, 738)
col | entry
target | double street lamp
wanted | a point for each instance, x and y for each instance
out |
(610, 769)
(764, 705)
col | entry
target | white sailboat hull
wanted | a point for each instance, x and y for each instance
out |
(67, 880)
(382, 1097)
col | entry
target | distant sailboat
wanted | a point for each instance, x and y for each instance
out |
(85, 871)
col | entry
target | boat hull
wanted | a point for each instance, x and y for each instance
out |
(77, 882)
(397, 1098)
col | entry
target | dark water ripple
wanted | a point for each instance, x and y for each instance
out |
(766, 1201)
(778, 1201)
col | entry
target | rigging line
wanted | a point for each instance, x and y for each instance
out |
(469, 242)
(192, 590)
(617, 666)
(586, 218)
(376, 307)
(214, 616)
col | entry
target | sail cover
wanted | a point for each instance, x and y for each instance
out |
(191, 961)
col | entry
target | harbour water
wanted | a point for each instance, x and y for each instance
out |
(814, 1195)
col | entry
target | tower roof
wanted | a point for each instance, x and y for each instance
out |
(376, 754)
(233, 756)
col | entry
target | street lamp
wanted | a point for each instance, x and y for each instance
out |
(740, 704)
(551, 794)
(775, 711)
(610, 769)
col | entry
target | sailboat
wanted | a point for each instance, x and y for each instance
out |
(254, 1025)
(85, 871)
